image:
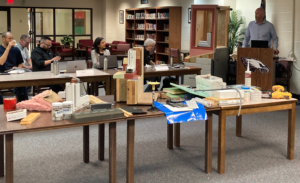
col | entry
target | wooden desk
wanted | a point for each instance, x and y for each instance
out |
(48, 78)
(44, 122)
(266, 105)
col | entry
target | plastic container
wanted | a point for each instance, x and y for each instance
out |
(57, 111)
(67, 109)
(248, 77)
(9, 103)
(246, 93)
(255, 95)
(105, 64)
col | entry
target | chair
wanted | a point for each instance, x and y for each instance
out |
(113, 48)
(83, 43)
(64, 51)
(123, 48)
(175, 54)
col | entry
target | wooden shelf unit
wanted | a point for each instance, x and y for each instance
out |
(173, 22)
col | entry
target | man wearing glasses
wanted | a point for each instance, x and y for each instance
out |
(42, 56)
(23, 46)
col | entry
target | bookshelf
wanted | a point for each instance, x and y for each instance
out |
(163, 24)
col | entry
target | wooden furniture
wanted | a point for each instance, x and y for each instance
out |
(209, 28)
(40, 78)
(44, 122)
(167, 31)
(64, 51)
(264, 55)
(266, 105)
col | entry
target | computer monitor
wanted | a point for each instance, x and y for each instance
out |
(259, 44)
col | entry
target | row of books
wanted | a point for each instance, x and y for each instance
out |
(140, 26)
(130, 16)
(162, 15)
(140, 37)
(166, 26)
(140, 15)
(152, 36)
(166, 50)
(166, 38)
(150, 26)
(150, 16)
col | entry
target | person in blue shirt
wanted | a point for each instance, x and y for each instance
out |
(10, 57)
(261, 29)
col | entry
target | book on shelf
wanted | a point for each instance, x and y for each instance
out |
(152, 36)
(150, 26)
(160, 62)
(132, 26)
(150, 16)
(140, 26)
(130, 16)
(140, 37)
(162, 15)
(166, 26)
(140, 15)
(167, 39)
(166, 50)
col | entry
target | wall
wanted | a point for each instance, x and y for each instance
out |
(94, 4)
(19, 22)
(280, 14)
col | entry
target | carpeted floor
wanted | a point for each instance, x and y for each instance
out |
(259, 156)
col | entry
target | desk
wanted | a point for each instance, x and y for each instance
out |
(44, 122)
(48, 78)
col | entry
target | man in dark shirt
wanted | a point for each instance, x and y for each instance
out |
(10, 57)
(42, 56)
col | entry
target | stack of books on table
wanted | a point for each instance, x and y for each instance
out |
(174, 92)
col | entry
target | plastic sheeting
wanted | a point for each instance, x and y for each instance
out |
(185, 116)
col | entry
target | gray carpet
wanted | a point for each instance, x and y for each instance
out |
(259, 156)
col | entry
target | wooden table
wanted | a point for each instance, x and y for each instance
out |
(44, 122)
(48, 78)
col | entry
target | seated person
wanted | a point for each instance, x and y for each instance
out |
(148, 46)
(98, 49)
(23, 46)
(42, 57)
(10, 57)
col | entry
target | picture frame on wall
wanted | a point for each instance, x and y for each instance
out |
(121, 16)
(189, 15)
(144, 1)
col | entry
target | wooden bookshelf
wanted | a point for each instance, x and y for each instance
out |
(173, 21)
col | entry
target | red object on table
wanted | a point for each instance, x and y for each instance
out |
(9, 103)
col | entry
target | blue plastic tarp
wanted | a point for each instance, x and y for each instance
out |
(185, 116)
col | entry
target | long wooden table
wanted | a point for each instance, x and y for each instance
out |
(48, 78)
(266, 105)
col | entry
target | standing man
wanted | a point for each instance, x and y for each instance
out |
(23, 46)
(10, 57)
(261, 29)
(42, 56)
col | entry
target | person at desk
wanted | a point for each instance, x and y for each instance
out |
(42, 57)
(23, 46)
(261, 29)
(10, 57)
(98, 49)
(149, 45)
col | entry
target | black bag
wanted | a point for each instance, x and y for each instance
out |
(280, 69)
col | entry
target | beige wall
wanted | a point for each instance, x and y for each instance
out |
(19, 22)
(280, 14)
(94, 4)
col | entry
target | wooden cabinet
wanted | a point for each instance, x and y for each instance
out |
(163, 24)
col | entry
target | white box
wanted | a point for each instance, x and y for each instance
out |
(15, 115)
(226, 94)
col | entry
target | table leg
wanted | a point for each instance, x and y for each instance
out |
(101, 134)
(291, 133)
(96, 88)
(170, 136)
(221, 142)
(107, 86)
(177, 134)
(86, 144)
(239, 126)
(92, 88)
(112, 153)
(2, 155)
(130, 150)
(208, 143)
(9, 160)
